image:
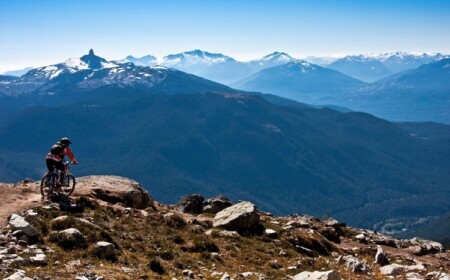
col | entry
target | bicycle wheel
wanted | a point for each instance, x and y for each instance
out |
(68, 185)
(47, 185)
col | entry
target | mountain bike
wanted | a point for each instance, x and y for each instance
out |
(50, 186)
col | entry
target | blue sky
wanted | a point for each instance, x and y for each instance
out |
(35, 33)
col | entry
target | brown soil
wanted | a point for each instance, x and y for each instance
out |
(17, 197)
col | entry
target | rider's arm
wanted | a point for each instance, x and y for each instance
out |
(68, 152)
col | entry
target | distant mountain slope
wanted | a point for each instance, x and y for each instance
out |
(17, 73)
(300, 80)
(426, 130)
(360, 67)
(438, 230)
(285, 158)
(422, 94)
(7, 78)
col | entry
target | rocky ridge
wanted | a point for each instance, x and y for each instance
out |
(112, 229)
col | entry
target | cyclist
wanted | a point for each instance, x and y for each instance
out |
(55, 157)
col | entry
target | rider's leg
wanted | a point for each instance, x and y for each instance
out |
(60, 166)
(50, 164)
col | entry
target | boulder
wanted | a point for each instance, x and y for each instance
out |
(216, 204)
(386, 241)
(17, 222)
(318, 275)
(330, 233)
(381, 257)
(114, 189)
(427, 246)
(240, 216)
(19, 275)
(105, 250)
(438, 275)
(226, 276)
(392, 269)
(192, 204)
(334, 223)
(355, 264)
(271, 233)
(39, 259)
(69, 238)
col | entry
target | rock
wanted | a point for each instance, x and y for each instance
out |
(306, 251)
(226, 276)
(381, 257)
(216, 256)
(174, 220)
(318, 275)
(243, 215)
(271, 233)
(39, 259)
(438, 275)
(246, 274)
(188, 274)
(114, 189)
(355, 264)
(19, 275)
(17, 222)
(69, 238)
(56, 222)
(75, 263)
(216, 204)
(428, 246)
(105, 250)
(192, 204)
(392, 269)
(390, 242)
(330, 233)
(274, 264)
(334, 223)
(413, 276)
(127, 270)
(361, 238)
(417, 250)
(223, 233)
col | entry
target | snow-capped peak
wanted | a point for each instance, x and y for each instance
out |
(147, 60)
(75, 64)
(278, 56)
(96, 62)
(195, 57)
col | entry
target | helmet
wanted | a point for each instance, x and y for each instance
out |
(65, 141)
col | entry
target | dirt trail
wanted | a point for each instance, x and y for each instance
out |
(15, 198)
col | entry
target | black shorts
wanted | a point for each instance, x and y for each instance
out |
(52, 164)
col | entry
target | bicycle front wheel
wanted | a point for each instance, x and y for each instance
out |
(68, 185)
(47, 185)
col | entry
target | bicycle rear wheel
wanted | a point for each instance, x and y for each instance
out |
(47, 184)
(68, 185)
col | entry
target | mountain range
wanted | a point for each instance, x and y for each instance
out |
(415, 95)
(227, 70)
(370, 68)
(91, 71)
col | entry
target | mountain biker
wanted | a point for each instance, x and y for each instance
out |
(55, 157)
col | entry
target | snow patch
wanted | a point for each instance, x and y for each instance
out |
(109, 65)
(55, 74)
(75, 64)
